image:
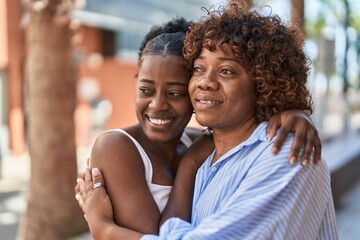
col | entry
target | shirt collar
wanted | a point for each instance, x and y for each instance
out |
(258, 135)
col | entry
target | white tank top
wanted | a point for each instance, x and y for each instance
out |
(160, 192)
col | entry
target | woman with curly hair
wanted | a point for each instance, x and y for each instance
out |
(246, 68)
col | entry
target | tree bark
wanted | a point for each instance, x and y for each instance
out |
(297, 14)
(52, 211)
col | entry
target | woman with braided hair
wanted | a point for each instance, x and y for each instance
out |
(246, 68)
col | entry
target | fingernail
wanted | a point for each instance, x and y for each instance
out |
(78, 180)
(305, 162)
(95, 172)
(318, 161)
(293, 160)
(275, 150)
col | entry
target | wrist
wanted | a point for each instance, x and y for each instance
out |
(99, 226)
(191, 163)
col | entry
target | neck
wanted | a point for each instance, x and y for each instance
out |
(166, 149)
(226, 139)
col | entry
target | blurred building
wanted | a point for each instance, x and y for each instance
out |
(108, 41)
(108, 35)
(124, 23)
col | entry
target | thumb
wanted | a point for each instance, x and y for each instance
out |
(98, 179)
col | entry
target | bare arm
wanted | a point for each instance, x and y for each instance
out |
(121, 164)
(96, 205)
(181, 195)
(180, 200)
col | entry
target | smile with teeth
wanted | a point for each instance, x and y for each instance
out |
(160, 121)
(208, 102)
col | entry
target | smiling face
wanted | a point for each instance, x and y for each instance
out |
(163, 106)
(222, 92)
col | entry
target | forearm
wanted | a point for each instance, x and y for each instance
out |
(181, 196)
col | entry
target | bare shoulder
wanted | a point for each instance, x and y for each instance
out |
(111, 138)
(114, 148)
(123, 169)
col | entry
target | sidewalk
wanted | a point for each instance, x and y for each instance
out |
(15, 174)
(14, 177)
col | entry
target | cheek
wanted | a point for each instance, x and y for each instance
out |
(141, 103)
(185, 107)
(191, 89)
(245, 97)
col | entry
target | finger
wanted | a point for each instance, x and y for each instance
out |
(309, 146)
(81, 175)
(88, 162)
(297, 144)
(98, 180)
(80, 201)
(88, 180)
(77, 187)
(273, 124)
(295, 148)
(81, 186)
(280, 138)
(87, 174)
(318, 148)
(81, 194)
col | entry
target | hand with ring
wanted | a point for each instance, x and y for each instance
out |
(92, 197)
(98, 184)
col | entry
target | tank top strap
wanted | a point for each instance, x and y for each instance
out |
(145, 158)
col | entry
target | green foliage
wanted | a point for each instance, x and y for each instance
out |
(314, 29)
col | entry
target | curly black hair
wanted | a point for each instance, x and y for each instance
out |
(266, 47)
(178, 24)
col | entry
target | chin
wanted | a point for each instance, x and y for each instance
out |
(203, 121)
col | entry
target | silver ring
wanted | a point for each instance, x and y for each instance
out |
(97, 185)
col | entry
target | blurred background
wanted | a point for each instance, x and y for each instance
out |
(67, 72)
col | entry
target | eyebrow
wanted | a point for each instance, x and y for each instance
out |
(221, 58)
(146, 80)
(167, 83)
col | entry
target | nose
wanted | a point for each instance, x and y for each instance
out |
(208, 81)
(159, 102)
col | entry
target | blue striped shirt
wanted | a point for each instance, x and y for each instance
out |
(250, 193)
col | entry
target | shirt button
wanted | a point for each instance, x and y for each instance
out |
(213, 169)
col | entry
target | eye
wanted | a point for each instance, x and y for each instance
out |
(196, 69)
(177, 94)
(226, 71)
(145, 91)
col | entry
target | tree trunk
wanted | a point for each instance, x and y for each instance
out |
(297, 14)
(52, 211)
